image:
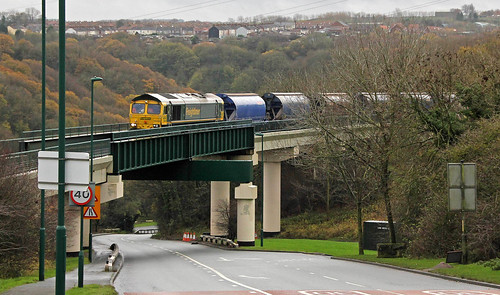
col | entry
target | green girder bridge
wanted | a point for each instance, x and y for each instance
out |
(169, 153)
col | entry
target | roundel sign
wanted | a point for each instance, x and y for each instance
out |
(81, 198)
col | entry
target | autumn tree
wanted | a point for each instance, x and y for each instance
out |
(173, 60)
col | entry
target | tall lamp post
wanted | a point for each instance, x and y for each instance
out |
(41, 260)
(61, 229)
(92, 80)
(80, 254)
(262, 199)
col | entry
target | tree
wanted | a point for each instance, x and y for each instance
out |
(20, 220)
(6, 44)
(375, 120)
(469, 11)
(3, 26)
(174, 60)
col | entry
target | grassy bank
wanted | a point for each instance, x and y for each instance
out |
(32, 277)
(350, 250)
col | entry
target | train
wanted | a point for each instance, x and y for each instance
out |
(154, 110)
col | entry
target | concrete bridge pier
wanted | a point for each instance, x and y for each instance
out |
(245, 194)
(272, 198)
(272, 188)
(219, 203)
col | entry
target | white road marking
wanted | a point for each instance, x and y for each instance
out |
(330, 278)
(249, 277)
(353, 284)
(224, 259)
(358, 292)
(311, 273)
(224, 277)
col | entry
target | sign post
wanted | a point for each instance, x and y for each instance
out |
(81, 199)
(462, 184)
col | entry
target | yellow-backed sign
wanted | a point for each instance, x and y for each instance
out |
(94, 212)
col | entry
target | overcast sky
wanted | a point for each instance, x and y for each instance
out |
(222, 10)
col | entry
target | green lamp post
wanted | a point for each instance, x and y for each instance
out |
(262, 199)
(61, 229)
(80, 254)
(92, 81)
(41, 253)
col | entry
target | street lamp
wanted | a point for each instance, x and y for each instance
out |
(262, 199)
(41, 253)
(92, 80)
(80, 254)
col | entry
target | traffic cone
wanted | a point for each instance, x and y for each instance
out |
(190, 237)
(194, 236)
(184, 237)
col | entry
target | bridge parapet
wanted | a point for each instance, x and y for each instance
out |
(145, 148)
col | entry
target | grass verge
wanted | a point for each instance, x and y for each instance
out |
(149, 223)
(350, 250)
(32, 277)
(92, 290)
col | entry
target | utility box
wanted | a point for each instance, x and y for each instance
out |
(374, 232)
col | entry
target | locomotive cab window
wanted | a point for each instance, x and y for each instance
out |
(154, 109)
(138, 108)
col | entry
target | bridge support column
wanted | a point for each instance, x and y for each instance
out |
(272, 198)
(72, 221)
(245, 194)
(219, 202)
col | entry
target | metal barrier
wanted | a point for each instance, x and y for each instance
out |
(76, 131)
(218, 241)
(146, 231)
(28, 161)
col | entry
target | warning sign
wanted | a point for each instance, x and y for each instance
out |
(94, 212)
(90, 213)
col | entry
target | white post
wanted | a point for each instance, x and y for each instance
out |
(219, 200)
(245, 194)
(272, 198)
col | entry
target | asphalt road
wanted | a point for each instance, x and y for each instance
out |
(174, 267)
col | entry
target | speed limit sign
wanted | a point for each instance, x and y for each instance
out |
(83, 198)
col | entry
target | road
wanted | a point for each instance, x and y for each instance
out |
(174, 267)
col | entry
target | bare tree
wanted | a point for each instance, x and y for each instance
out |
(372, 120)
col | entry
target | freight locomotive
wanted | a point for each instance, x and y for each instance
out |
(153, 110)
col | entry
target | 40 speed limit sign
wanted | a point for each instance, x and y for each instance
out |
(83, 198)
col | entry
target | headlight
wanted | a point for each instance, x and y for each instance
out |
(133, 125)
(156, 125)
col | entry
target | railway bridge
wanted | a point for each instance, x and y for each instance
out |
(221, 152)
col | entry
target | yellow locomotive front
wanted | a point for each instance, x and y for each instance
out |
(145, 114)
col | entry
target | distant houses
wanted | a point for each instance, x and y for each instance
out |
(163, 29)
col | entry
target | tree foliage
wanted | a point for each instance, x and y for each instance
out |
(20, 222)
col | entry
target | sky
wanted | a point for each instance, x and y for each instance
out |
(223, 10)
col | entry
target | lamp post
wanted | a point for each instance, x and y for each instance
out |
(92, 80)
(41, 253)
(80, 254)
(61, 229)
(262, 199)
